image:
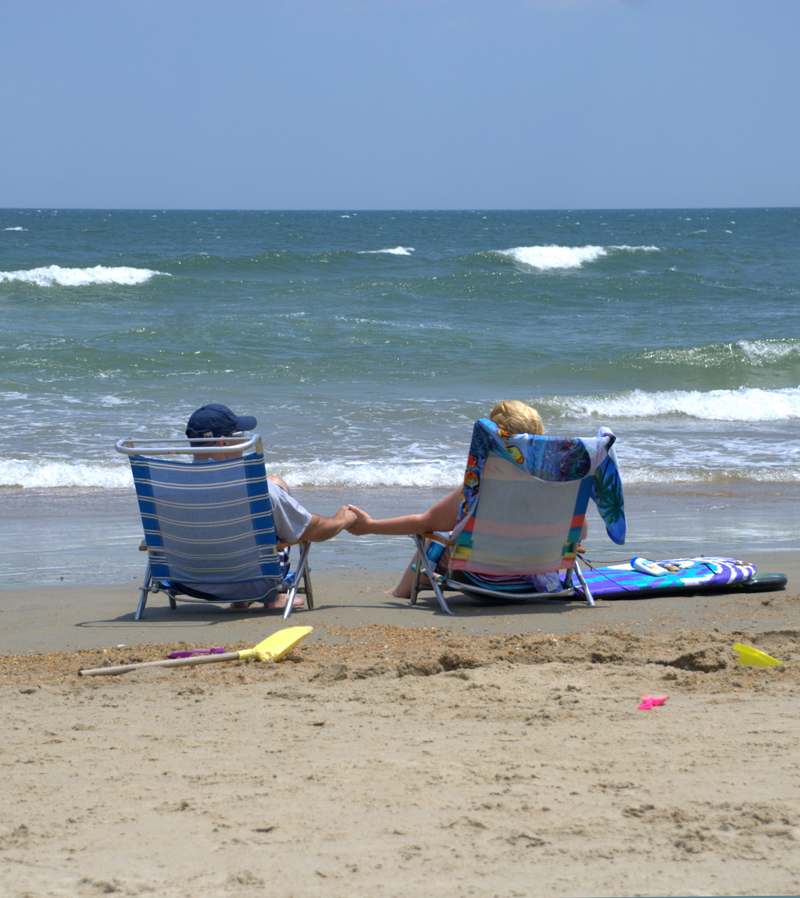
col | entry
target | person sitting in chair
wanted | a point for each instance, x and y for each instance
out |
(293, 522)
(514, 417)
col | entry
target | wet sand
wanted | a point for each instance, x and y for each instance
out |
(399, 752)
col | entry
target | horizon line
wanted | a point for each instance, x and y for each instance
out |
(352, 209)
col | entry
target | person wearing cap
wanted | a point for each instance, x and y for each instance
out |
(293, 522)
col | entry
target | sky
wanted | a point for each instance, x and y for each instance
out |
(399, 104)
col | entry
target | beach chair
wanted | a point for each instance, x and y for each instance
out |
(521, 517)
(209, 522)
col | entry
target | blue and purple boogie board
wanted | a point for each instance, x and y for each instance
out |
(701, 574)
(693, 575)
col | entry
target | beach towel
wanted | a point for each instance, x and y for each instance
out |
(554, 476)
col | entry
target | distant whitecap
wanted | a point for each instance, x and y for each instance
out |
(552, 256)
(393, 251)
(81, 277)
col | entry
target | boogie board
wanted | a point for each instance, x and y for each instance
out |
(703, 574)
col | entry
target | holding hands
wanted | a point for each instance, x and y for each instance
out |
(362, 522)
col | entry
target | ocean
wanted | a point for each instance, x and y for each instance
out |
(366, 344)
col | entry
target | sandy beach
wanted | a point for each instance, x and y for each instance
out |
(398, 752)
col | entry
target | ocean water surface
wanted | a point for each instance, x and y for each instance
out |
(366, 343)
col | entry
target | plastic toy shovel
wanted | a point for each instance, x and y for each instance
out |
(273, 648)
(752, 657)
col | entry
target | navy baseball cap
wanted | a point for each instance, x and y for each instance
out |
(217, 421)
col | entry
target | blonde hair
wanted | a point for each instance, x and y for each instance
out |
(517, 417)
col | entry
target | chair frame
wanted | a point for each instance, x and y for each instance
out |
(301, 584)
(441, 582)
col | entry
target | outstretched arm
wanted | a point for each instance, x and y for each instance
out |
(321, 528)
(440, 516)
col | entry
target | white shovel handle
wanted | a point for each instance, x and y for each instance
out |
(167, 662)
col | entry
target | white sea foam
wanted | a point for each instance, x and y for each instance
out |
(17, 228)
(625, 248)
(81, 277)
(744, 404)
(392, 251)
(552, 256)
(764, 352)
(757, 353)
(439, 474)
(652, 475)
(31, 474)
(420, 473)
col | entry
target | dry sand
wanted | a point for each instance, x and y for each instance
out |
(499, 753)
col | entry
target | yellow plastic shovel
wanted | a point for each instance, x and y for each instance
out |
(753, 657)
(273, 648)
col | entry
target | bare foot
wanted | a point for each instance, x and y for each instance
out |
(278, 603)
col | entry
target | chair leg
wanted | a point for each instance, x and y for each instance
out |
(585, 586)
(419, 542)
(431, 572)
(309, 592)
(143, 592)
(302, 566)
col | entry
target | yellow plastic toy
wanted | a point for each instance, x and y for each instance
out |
(273, 648)
(753, 657)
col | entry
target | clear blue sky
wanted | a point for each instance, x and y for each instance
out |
(293, 104)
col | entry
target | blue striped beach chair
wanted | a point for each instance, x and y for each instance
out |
(209, 522)
(523, 508)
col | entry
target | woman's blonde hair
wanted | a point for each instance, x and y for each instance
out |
(516, 417)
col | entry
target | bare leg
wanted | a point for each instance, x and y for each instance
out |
(403, 588)
(276, 478)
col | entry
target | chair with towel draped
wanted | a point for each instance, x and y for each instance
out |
(208, 523)
(521, 517)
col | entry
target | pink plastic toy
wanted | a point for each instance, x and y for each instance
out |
(651, 701)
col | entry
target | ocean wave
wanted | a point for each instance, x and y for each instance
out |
(743, 404)
(552, 256)
(439, 473)
(81, 277)
(444, 473)
(30, 474)
(745, 353)
(655, 476)
(392, 251)
(626, 248)
(432, 474)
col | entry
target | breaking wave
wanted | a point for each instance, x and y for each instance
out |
(52, 474)
(743, 404)
(709, 476)
(419, 473)
(550, 256)
(51, 275)
(30, 474)
(439, 474)
(749, 353)
(392, 251)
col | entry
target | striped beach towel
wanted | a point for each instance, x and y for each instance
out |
(525, 497)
